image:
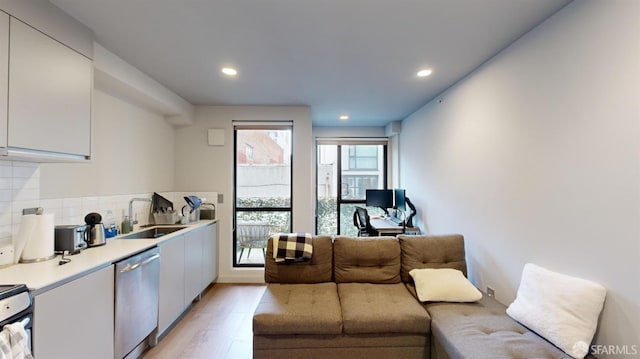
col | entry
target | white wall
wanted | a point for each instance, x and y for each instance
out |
(114, 75)
(132, 156)
(132, 152)
(201, 167)
(534, 157)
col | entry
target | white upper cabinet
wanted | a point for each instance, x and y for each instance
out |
(4, 76)
(50, 89)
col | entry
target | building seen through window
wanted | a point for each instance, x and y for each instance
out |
(344, 172)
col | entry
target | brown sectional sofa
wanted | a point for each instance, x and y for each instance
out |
(355, 299)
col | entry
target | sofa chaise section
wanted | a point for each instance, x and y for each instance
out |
(476, 330)
(483, 330)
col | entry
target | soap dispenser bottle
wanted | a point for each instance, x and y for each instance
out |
(126, 225)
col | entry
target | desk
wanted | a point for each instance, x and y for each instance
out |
(385, 227)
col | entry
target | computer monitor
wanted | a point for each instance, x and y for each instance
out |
(400, 202)
(382, 198)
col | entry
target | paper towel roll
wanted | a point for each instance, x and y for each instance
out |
(36, 235)
(20, 239)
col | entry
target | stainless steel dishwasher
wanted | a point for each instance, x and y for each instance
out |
(137, 281)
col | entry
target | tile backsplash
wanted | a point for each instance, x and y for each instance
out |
(20, 188)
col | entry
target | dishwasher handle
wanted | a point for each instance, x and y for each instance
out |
(131, 267)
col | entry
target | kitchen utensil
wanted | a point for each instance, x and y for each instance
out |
(185, 217)
(193, 202)
(94, 235)
(160, 204)
(168, 217)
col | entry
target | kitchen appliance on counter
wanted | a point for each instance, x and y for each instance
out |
(17, 307)
(94, 234)
(193, 207)
(70, 237)
(136, 303)
(208, 211)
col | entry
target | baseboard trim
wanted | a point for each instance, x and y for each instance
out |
(257, 278)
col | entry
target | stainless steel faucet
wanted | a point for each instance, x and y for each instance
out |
(131, 220)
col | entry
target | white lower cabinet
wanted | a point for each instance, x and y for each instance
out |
(193, 265)
(188, 264)
(209, 254)
(75, 320)
(171, 301)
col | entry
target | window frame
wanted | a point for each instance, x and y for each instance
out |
(253, 126)
(340, 142)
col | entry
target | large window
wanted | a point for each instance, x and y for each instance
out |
(363, 157)
(262, 200)
(345, 170)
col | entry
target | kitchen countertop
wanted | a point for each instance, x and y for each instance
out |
(43, 276)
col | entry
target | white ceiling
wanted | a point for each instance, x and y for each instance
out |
(357, 57)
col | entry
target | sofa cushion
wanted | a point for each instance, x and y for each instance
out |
(443, 285)
(381, 308)
(482, 330)
(318, 270)
(432, 252)
(298, 309)
(561, 308)
(366, 260)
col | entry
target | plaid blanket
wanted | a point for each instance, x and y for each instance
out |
(292, 247)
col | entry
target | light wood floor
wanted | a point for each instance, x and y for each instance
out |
(218, 326)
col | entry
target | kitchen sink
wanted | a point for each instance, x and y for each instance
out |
(154, 232)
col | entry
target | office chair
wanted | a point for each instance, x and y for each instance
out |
(361, 221)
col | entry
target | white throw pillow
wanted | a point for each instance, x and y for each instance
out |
(443, 285)
(562, 309)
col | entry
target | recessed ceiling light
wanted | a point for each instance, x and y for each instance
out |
(424, 73)
(229, 71)
(344, 117)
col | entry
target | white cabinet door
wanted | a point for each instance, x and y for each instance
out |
(188, 263)
(4, 76)
(49, 94)
(75, 320)
(209, 254)
(171, 301)
(193, 265)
